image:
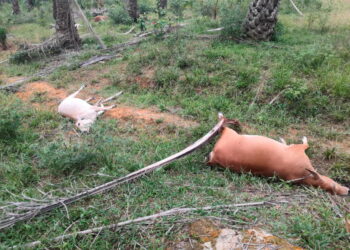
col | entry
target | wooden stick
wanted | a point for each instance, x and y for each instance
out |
(88, 24)
(214, 30)
(171, 212)
(276, 97)
(11, 220)
(296, 8)
(128, 32)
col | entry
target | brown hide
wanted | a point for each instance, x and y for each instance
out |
(263, 156)
(100, 18)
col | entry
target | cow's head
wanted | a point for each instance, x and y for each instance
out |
(84, 124)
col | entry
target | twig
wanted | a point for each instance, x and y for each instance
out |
(171, 212)
(35, 211)
(214, 30)
(296, 8)
(259, 90)
(335, 206)
(276, 97)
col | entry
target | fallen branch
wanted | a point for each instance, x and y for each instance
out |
(4, 61)
(35, 209)
(171, 212)
(128, 32)
(97, 59)
(75, 3)
(214, 30)
(122, 46)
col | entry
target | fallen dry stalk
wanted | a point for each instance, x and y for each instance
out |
(32, 209)
(174, 211)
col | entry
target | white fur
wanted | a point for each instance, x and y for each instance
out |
(81, 111)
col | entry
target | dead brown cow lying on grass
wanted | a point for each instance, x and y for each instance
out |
(264, 156)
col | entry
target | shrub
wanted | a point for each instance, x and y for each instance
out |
(233, 16)
(3, 37)
(10, 122)
(145, 8)
(119, 15)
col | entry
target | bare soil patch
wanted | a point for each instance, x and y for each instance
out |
(148, 116)
(146, 79)
(44, 95)
(51, 95)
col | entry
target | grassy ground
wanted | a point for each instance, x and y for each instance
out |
(307, 66)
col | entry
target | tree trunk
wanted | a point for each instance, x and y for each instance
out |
(133, 10)
(66, 31)
(163, 4)
(30, 4)
(15, 7)
(261, 19)
(100, 4)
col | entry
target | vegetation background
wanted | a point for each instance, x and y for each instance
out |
(186, 80)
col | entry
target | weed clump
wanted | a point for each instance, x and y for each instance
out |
(3, 37)
(10, 123)
(66, 159)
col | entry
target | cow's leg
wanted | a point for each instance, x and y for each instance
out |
(76, 92)
(101, 110)
(89, 99)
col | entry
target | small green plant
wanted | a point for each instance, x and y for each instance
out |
(39, 97)
(166, 77)
(3, 38)
(119, 15)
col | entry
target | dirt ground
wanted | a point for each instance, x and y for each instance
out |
(43, 95)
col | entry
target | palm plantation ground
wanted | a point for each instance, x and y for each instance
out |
(174, 85)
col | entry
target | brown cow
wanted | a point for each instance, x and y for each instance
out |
(100, 18)
(264, 156)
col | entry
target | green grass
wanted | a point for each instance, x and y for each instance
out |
(307, 66)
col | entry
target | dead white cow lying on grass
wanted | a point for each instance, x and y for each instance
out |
(83, 113)
(264, 156)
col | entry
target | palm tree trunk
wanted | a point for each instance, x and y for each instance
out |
(163, 4)
(66, 31)
(261, 19)
(15, 7)
(133, 10)
(30, 4)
